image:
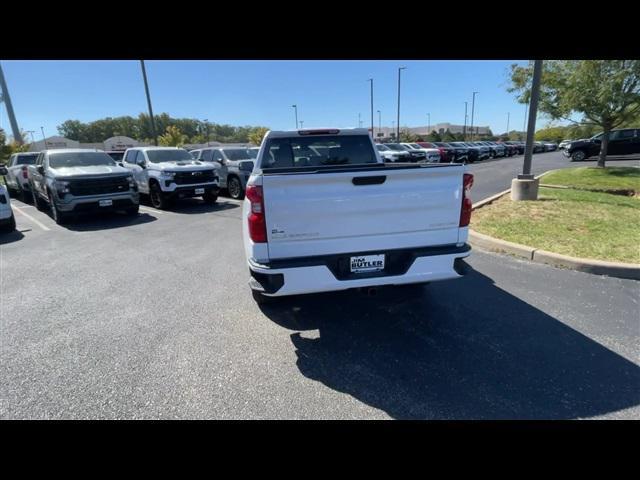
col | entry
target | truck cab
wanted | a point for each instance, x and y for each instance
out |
(233, 166)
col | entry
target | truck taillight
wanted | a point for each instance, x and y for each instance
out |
(25, 173)
(256, 219)
(467, 205)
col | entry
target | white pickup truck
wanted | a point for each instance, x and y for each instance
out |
(345, 219)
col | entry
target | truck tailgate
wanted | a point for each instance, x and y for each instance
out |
(322, 213)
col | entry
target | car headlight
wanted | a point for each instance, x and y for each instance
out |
(168, 175)
(62, 187)
(132, 182)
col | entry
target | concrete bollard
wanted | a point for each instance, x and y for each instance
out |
(524, 189)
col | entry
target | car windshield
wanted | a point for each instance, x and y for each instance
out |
(383, 148)
(80, 159)
(415, 145)
(319, 151)
(26, 159)
(117, 156)
(253, 152)
(169, 155)
(238, 154)
(397, 147)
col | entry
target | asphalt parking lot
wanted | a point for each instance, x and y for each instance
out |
(151, 317)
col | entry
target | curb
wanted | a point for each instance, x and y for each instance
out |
(597, 267)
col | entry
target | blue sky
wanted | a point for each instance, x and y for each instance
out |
(328, 93)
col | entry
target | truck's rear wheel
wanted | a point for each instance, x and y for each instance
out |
(158, 199)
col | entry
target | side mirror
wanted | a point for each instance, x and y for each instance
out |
(3, 170)
(40, 169)
(141, 163)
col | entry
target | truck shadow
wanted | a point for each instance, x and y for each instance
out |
(455, 350)
(106, 221)
(195, 206)
(11, 237)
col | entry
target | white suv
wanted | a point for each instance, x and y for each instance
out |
(168, 173)
(17, 178)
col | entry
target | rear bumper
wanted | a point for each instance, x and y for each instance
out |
(325, 274)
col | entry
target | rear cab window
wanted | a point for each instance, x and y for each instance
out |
(317, 151)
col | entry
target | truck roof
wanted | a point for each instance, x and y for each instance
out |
(317, 131)
(71, 150)
(156, 148)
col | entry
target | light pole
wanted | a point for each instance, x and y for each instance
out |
(508, 115)
(301, 122)
(525, 186)
(359, 121)
(6, 99)
(371, 80)
(398, 125)
(464, 128)
(473, 104)
(393, 127)
(379, 122)
(295, 107)
(146, 89)
(429, 124)
(33, 135)
(44, 139)
(206, 124)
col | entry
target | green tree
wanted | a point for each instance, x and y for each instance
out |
(449, 137)
(407, 136)
(257, 135)
(606, 93)
(434, 137)
(172, 137)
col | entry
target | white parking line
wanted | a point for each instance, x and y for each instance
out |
(151, 210)
(42, 226)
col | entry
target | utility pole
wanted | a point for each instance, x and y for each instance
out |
(301, 122)
(473, 104)
(525, 187)
(379, 122)
(44, 139)
(295, 107)
(146, 89)
(398, 124)
(371, 80)
(508, 114)
(4, 97)
(359, 121)
(429, 124)
(464, 129)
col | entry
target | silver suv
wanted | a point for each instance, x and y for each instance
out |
(233, 165)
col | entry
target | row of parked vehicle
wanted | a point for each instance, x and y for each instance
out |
(456, 152)
(67, 182)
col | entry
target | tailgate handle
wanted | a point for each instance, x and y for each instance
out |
(375, 180)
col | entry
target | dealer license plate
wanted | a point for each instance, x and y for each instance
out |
(367, 263)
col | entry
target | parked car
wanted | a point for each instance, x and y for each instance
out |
(170, 173)
(447, 154)
(416, 155)
(495, 149)
(389, 155)
(538, 147)
(69, 181)
(7, 219)
(519, 146)
(550, 146)
(624, 141)
(17, 178)
(563, 144)
(473, 152)
(433, 154)
(510, 151)
(455, 153)
(305, 231)
(233, 166)
(483, 150)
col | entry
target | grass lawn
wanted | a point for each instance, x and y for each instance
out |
(593, 178)
(578, 223)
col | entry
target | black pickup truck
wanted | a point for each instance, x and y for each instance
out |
(625, 141)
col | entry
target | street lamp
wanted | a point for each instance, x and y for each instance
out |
(301, 123)
(206, 124)
(508, 115)
(295, 107)
(44, 139)
(359, 121)
(398, 125)
(146, 89)
(379, 122)
(371, 80)
(429, 124)
(464, 129)
(473, 104)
